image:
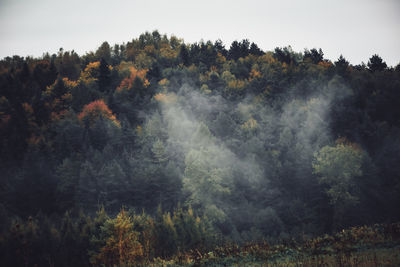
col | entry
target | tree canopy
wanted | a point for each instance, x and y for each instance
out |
(185, 145)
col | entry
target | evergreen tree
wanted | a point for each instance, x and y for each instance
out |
(375, 63)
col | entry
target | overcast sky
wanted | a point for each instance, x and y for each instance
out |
(355, 28)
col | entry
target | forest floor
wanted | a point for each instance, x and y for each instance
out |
(377, 245)
(370, 257)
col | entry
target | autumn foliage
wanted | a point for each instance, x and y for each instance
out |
(95, 110)
(200, 143)
(128, 81)
(166, 98)
(122, 246)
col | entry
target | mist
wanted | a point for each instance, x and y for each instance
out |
(191, 146)
(225, 146)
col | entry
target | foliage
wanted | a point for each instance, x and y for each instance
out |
(373, 245)
(127, 83)
(121, 243)
(242, 138)
(338, 166)
(128, 239)
(96, 110)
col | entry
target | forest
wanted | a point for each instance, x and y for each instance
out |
(157, 152)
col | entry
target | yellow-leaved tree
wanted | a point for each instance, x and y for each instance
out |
(122, 246)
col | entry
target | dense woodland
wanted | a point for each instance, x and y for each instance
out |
(155, 147)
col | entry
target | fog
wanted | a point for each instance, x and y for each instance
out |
(232, 154)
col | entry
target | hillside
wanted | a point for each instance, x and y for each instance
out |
(154, 148)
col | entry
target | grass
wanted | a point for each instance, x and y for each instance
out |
(377, 245)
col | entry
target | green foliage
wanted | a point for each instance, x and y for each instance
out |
(314, 55)
(376, 63)
(104, 52)
(286, 55)
(338, 167)
(159, 152)
(205, 181)
(126, 239)
(241, 136)
(68, 177)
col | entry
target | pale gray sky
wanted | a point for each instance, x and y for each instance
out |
(355, 28)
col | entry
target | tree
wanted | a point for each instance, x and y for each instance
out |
(45, 73)
(96, 110)
(239, 49)
(207, 55)
(68, 177)
(184, 55)
(314, 55)
(341, 66)
(68, 64)
(159, 152)
(58, 89)
(116, 54)
(166, 234)
(285, 55)
(121, 245)
(104, 52)
(234, 51)
(220, 48)
(192, 232)
(136, 83)
(244, 48)
(337, 168)
(376, 63)
(397, 68)
(206, 182)
(104, 79)
(255, 50)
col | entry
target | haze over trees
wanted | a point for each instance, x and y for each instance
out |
(158, 147)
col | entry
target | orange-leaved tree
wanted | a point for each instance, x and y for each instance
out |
(97, 110)
(128, 82)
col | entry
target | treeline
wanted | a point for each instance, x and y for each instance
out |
(128, 239)
(263, 144)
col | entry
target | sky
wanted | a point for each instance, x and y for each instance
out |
(357, 29)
